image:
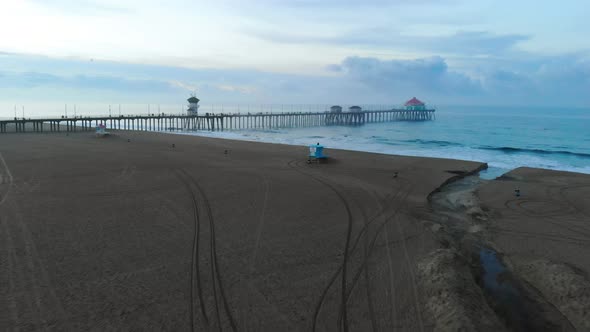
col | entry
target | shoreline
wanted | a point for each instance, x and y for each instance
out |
(492, 172)
(497, 164)
(496, 172)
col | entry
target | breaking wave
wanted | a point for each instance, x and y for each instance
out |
(507, 149)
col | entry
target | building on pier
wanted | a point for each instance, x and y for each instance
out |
(355, 109)
(336, 109)
(193, 106)
(415, 104)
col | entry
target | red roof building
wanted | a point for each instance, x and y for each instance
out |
(415, 104)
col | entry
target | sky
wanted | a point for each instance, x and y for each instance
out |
(452, 52)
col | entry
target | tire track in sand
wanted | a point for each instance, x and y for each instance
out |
(366, 275)
(516, 205)
(195, 259)
(14, 266)
(294, 164)
(371, 247)
(346, 245)
(412, 275)
(26, 264)
(215, 273)
(8, 176)
(254, 255)
(559, 193)
(397, 194)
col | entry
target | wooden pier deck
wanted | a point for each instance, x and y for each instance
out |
(212, 122)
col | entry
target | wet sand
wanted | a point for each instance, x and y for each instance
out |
(111, 234)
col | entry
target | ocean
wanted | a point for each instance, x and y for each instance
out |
(505, 138)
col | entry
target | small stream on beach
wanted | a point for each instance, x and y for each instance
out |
(504, 294)
(517, 304)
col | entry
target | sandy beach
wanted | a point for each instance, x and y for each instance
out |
(148, 231)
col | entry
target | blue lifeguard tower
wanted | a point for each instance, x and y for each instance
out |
(101, 130)
(316, 152)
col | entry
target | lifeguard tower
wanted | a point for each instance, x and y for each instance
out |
(193, 106)
(316, 153)
(101, 130)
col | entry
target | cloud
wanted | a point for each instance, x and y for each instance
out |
(462, 42)
(236, 88)
(427, 74)
(3, 53)
(334, 68)
(501, 81)
(473, 42)
(539, 79)
(304, 4)
(186, 86)
(563, 80)
(542, 81)
(81, 82)
(84, 7)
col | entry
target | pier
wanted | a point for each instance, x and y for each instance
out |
(213, 122)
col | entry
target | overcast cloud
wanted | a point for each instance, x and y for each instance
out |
(271, 51)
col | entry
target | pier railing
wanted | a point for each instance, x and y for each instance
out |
(212, 121)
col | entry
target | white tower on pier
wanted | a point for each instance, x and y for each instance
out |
(193, 106)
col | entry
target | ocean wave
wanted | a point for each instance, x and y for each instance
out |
(508, 149)
(432, 142)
